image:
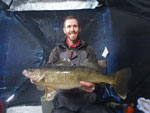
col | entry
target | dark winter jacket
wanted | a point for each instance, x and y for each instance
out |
(73, 99)
(79, 54)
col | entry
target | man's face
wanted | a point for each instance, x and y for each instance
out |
(71, 29)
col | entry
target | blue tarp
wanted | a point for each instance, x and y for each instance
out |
(26, 40)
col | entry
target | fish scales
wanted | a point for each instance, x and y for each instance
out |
(72, 76)
(67, 77)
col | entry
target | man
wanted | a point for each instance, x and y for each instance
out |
(75, 51)
(70, 49)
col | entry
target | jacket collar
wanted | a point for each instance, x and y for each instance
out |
(81, 44)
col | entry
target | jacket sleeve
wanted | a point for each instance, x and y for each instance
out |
(54, 56)
(91, 54)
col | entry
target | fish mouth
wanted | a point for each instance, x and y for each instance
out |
(24, 72)
(27, 72)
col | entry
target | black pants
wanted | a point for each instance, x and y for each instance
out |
(91, 109)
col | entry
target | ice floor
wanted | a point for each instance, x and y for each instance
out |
(25, 109)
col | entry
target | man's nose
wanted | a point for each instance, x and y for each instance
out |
(72, 28)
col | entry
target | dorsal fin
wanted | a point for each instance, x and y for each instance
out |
(93, 65)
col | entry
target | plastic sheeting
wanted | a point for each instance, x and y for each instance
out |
(140, 8)
(25, 109)
(28, 37)
(7, 2)
(29, 44)
(28, 5)
(19, 50)
(132, 40)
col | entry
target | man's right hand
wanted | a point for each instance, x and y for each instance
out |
(87, 86)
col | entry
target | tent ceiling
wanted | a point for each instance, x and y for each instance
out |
(117, 26)
(139, 7)
(8, 2)
(27, 5)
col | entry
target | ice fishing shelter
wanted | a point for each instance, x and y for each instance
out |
(29, 29)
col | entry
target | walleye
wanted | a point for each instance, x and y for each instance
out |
(68, 77)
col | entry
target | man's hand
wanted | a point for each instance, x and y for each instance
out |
(87, 86)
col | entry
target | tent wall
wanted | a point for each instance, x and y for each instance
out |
(132, 40)
(27, 39)
(32, 35)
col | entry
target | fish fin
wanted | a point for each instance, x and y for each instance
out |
(41, 78)
(102, 63)
(49, 93)
(93, 65)
(121, 82)
(41, 88)
(63, 62)
(41, 84)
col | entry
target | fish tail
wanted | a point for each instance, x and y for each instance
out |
(121, 82)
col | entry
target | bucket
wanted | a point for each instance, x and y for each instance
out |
(47, 106)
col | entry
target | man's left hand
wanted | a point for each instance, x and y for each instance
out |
(87, 86)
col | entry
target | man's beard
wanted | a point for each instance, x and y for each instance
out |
(75, 35)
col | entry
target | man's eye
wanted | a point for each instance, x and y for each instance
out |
(68, 26)
(75, 26)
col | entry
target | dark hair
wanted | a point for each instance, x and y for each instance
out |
(71, 17)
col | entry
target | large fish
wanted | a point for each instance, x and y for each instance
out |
(68, 77)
